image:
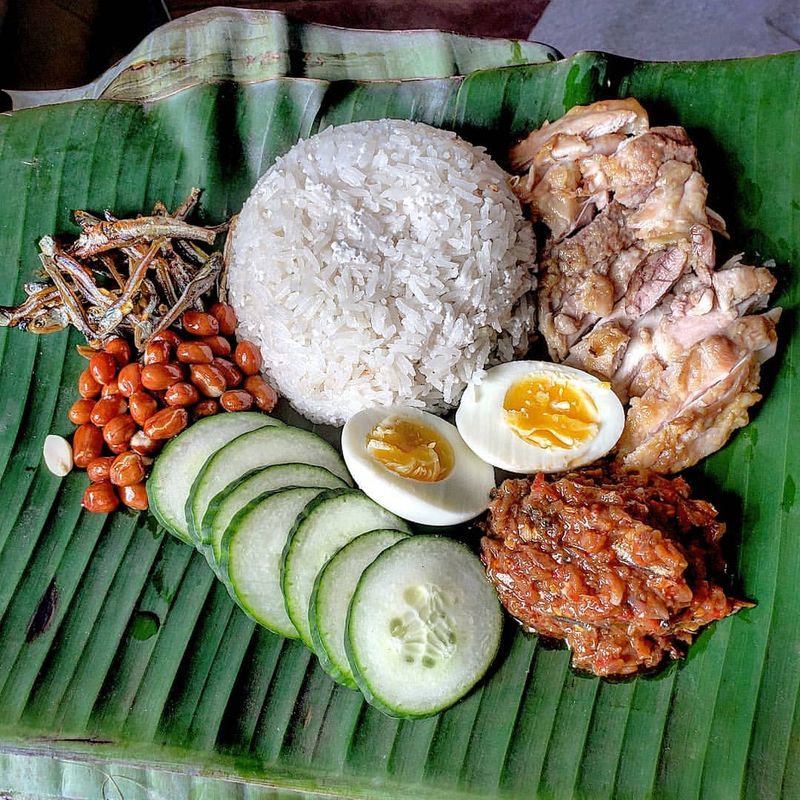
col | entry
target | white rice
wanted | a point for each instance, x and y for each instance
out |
(379, 263)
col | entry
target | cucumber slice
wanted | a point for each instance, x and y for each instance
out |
(333, 590)
(252, 450)
(328, 523)
(223, 508)
(179, 462)
(252, 549)
(423, 626)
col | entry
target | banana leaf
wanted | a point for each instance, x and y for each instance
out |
(125, 670)
(250, 45)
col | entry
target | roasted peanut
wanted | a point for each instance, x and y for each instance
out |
(80, 411)
(219, 345)
(129, 379)
(142, 444)
(181, 394)
(156, 352)
(158, 377)
(142, 407)
(110, 388)
(225, 317)
(87, 444)
(199, 323)
(205, 408)
(248, 358)
(100, 498)
(120, 349)
(166, 423)
(233, 377)
(209, 379)
(98, 468)
(118, 431)
(134, 496)
(264, 395)
(236, 400)
(103, 367)
(168, 336)
(107, 408)
(87, 385)
(194, 353)
(127, 469)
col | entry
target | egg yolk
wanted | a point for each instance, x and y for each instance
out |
(550, 412)
(411, 449)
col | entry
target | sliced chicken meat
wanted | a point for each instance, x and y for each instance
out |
(629, 289)
(696, 402)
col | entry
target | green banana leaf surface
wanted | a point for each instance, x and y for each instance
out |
(125, 669)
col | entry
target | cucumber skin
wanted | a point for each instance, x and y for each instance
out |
(204, 534)
(225, 549)
(301, 517)
(187, 538)
(319, 649)
(167, 526)
(194, 532)
(365, 688)
(230, 531)
(187, 509)
(313, 618)
(207, 547)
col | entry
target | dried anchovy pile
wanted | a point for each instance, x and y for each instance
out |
(123, 276)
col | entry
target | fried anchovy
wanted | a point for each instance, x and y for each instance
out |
(199, 285)
(106, 235)
(84, 219)
(152, 302)
(34, 287)
(46, 320)
(187, 206)
(189, 254)
(108, 262)
(159, 273)
(123, 305)
(183, 271)
(164, 280)
(45, 299)
(81, 277)
(222, 278)
(77, 316)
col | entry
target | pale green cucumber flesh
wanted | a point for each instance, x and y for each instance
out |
(182, 459)
(249, 452)
(238, 494)
(423, 626)
(328, 523)
(252, 549)
(330, 599)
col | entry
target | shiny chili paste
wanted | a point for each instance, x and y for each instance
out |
(624, 566)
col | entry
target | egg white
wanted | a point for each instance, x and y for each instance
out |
(481, 422)
(460, 496)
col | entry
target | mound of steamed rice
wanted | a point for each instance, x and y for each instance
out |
(380, 263)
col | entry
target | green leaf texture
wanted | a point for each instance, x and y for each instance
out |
(248, 45)
(120, 652)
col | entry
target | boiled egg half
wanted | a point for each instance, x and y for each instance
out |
(416, 465)
(534, 416)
